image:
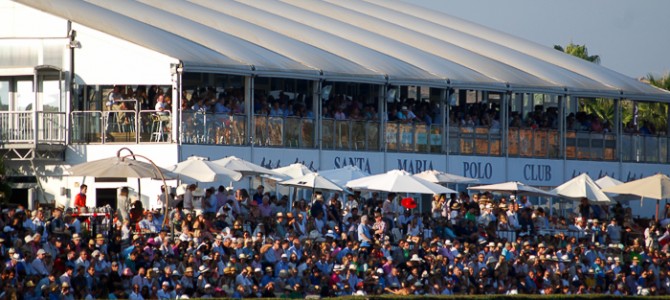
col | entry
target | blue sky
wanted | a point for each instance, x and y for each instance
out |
(631, 36)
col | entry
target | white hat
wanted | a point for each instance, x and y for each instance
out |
(284, 255)
(41, 251)
(447, 243)
(166, 283)
(415, 257)
(16, 256)
(28, 239)
(208, 286)
(491, 244)
(202, 269)
(380, 271)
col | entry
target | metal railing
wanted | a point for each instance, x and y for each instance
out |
(539, 143)
(22, 128)
(475, 141)
(16, 127)
(644, 148)
(120, 126)
(226, 129)
(51, 127)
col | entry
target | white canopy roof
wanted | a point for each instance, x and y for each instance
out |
(372, 41)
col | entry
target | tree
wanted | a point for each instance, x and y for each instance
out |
(663, 82)
(578, 51)
(5, 188)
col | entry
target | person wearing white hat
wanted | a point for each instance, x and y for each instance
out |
(38, 263)
(165, 293)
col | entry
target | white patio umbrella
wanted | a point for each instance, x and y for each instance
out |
(291, 171)
(246, 168)
(655, 187)
(512, 187)
(124, 166)
(582, 186)
(435, 176)
(398, 181)
(201, 169)
(607, 181)
(343, 175)
(313, 181)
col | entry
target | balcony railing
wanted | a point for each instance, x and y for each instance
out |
(208, 128)
(475, 141)
(120, 126)
(351, 135)
(20, 127)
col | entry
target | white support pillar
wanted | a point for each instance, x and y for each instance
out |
(316, 110)
(250, 129)
(444, 121)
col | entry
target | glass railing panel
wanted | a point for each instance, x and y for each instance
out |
(421, 138)
(540, 143)
(467, 140)
(454, 146)
(276, 131)
(372, 135)
(261, 132)
(406, 136)
(482, 142)
(553, 144)
(526, 143)
(155, 126)
(663, 149)
(293, 133)
(571, 144)
(328, 133)
(86, 127)
(342, 134)
(121, 126)
(307, 133)
(223, 129)
(495, 142)
(513, 141)
(435, 139)
(239, 130)
(583, 144)
(392, 136)
(650, 148)
(358, 135)
(609, 151)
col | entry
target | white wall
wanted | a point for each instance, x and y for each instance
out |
(104, 59)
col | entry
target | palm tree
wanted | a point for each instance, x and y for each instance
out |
(578, 51)
(655, 113)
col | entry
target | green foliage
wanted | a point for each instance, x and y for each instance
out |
(5, 188)
(663, 82)
(578, 51)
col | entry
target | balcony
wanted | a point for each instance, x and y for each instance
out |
(30, 135)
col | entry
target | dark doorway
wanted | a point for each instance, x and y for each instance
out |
(19, 197)
(105, 197)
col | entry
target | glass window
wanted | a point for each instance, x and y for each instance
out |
(4, 94)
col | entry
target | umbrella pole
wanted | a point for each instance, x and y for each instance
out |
(165, 218)
(139, 183)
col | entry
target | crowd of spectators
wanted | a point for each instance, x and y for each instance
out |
(225, 243)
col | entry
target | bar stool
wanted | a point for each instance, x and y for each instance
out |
(157, 125)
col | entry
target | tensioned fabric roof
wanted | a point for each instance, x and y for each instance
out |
(371, 41)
